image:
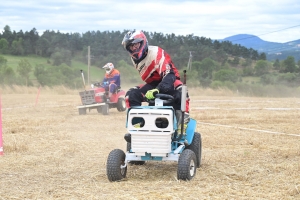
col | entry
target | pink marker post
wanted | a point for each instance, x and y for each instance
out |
(37, 96)
(1, 141)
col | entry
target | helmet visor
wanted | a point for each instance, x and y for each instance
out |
(134, 47)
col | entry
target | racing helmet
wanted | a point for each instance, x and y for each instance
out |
(133, 37)
(108, 67)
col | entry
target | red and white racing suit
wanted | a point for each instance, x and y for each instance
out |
(158, 71)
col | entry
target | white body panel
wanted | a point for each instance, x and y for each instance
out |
(150, 138)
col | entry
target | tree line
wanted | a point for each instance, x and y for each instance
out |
(108, 43)
(213, 62)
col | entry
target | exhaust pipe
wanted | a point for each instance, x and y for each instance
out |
(183, 105)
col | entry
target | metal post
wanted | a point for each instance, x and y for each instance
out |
(82, 75)
(189, 67)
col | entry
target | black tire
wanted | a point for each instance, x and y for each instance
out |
(105, 109)
(82, 111)
(186, 165)
(99, 109)
(196, 147)
(121, 105)
(128, 147)
(115, 160)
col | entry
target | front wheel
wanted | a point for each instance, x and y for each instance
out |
(105, 109)
(99, 109)
(115, 166)
(82, 111)
(186, 165)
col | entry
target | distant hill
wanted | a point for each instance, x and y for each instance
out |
(273, 50)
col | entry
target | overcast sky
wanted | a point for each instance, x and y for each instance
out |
(271, 20)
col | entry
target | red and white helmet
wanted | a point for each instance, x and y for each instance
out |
(108, 67)
(133, 37)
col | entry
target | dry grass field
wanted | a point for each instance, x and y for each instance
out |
(251, 149)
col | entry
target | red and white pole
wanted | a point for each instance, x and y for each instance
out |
(1, 140)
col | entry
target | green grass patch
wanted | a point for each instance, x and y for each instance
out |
(96, 74)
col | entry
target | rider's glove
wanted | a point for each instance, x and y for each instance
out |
(105, 83)
(151, 93)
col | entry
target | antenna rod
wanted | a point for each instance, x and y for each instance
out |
(184, 77)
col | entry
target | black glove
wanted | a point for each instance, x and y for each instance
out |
(97, 84)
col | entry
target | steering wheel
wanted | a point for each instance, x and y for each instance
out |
(167, 99)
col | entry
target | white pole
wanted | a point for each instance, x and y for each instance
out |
(89, 58)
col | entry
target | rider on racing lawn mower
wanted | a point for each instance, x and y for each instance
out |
(111, 81)
(156, 69)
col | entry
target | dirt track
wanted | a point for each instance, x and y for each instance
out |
(251, 150)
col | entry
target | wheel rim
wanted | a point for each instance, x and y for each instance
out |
(192, 168)
(123, 169)
(123, 104)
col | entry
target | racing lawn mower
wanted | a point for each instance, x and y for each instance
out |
(97, 98)
(158, 133)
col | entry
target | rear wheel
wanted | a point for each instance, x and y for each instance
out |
(105, 109)
(121, 105)
(115, 166)
(82, 111)
(196, 147)
(186, 165)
